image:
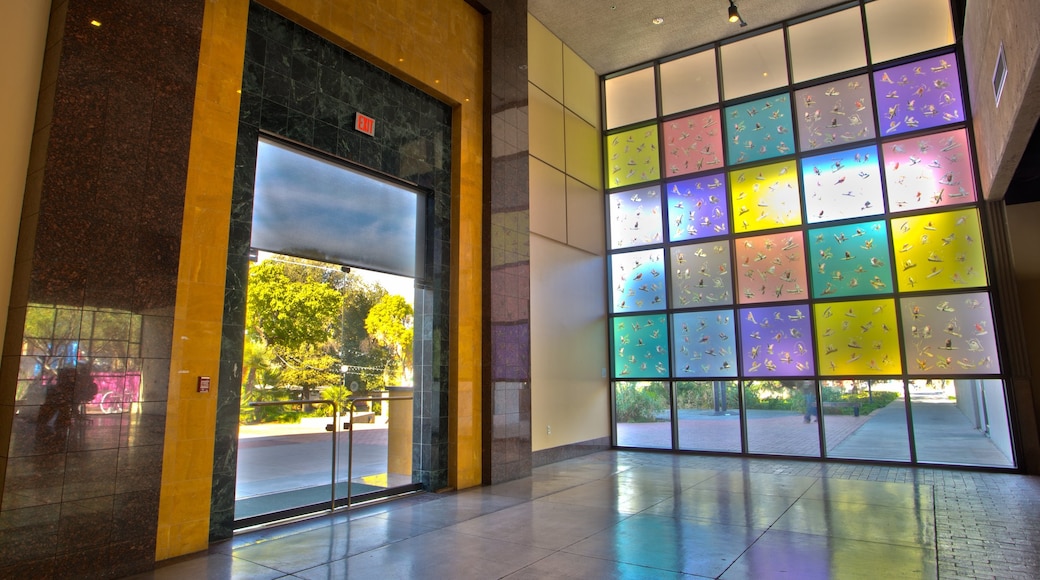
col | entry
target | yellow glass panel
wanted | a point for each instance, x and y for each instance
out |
(939, 251)
(857, 338)
(765, 197)
(632, 157)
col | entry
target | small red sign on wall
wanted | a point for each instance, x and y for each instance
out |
(365, 124)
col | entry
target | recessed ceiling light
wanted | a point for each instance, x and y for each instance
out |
(658, 20)
(95, 22)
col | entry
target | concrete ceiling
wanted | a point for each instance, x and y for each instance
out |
(612, 35)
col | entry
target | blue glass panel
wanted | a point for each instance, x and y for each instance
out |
(703, 344)
(638, 280)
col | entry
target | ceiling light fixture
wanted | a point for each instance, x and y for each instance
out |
(734, 14)
(657, 20)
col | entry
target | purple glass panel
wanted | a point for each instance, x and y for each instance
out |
(697, 208)
(776, 341)
(918, 95)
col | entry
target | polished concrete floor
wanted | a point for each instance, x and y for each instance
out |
(627, 514)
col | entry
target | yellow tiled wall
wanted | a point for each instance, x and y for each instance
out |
(452, 70)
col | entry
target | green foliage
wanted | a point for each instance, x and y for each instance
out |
(309, 368)
(287, 314)
(340, 395)
(639, 402)
(389, 323)
(701, 395)
(275, 414)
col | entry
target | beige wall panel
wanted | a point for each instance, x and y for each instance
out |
(580, 88)
(569, 390)
(584, 160)
(544, 59)
(548, 201)
(546, 128)
(585, 216)
(23, 37)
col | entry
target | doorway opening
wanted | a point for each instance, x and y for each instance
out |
(325, 416)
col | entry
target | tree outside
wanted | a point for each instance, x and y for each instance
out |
(311, 334)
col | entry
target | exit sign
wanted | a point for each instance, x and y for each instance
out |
(365, 124)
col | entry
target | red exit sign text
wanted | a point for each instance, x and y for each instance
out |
(365, 124)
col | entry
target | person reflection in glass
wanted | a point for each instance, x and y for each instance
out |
(65, 401)
(809, 391)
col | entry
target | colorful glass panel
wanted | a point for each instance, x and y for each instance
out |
(776, 341)
(635, 217)
(850, 260)
(835, 113)
(703, 344)
(929, 171)
(842, 185)
(697, 208)
(949, 334)
(771, 268)
(765, 197)
(857, 338)
(638, 281)
(640, 345)
(939, 251)
(759, 130)
(632, 157)
(918, 95)
(701, 275)
(693, 143)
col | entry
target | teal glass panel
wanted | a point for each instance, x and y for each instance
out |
(850, 260)
(640, 345)
(759, 130)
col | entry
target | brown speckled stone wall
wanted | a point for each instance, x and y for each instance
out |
(86, 362)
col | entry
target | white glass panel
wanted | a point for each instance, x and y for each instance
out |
(689, 82)
(898, 27)
(754, 65)
(827, 45)
(631, 98)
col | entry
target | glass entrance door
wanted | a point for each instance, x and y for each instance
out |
(325, 416)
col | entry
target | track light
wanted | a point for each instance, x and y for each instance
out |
(734, 15)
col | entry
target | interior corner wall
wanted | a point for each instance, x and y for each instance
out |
(1024, 239)
(23, 35)
(1002, 131)
(569, 389)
